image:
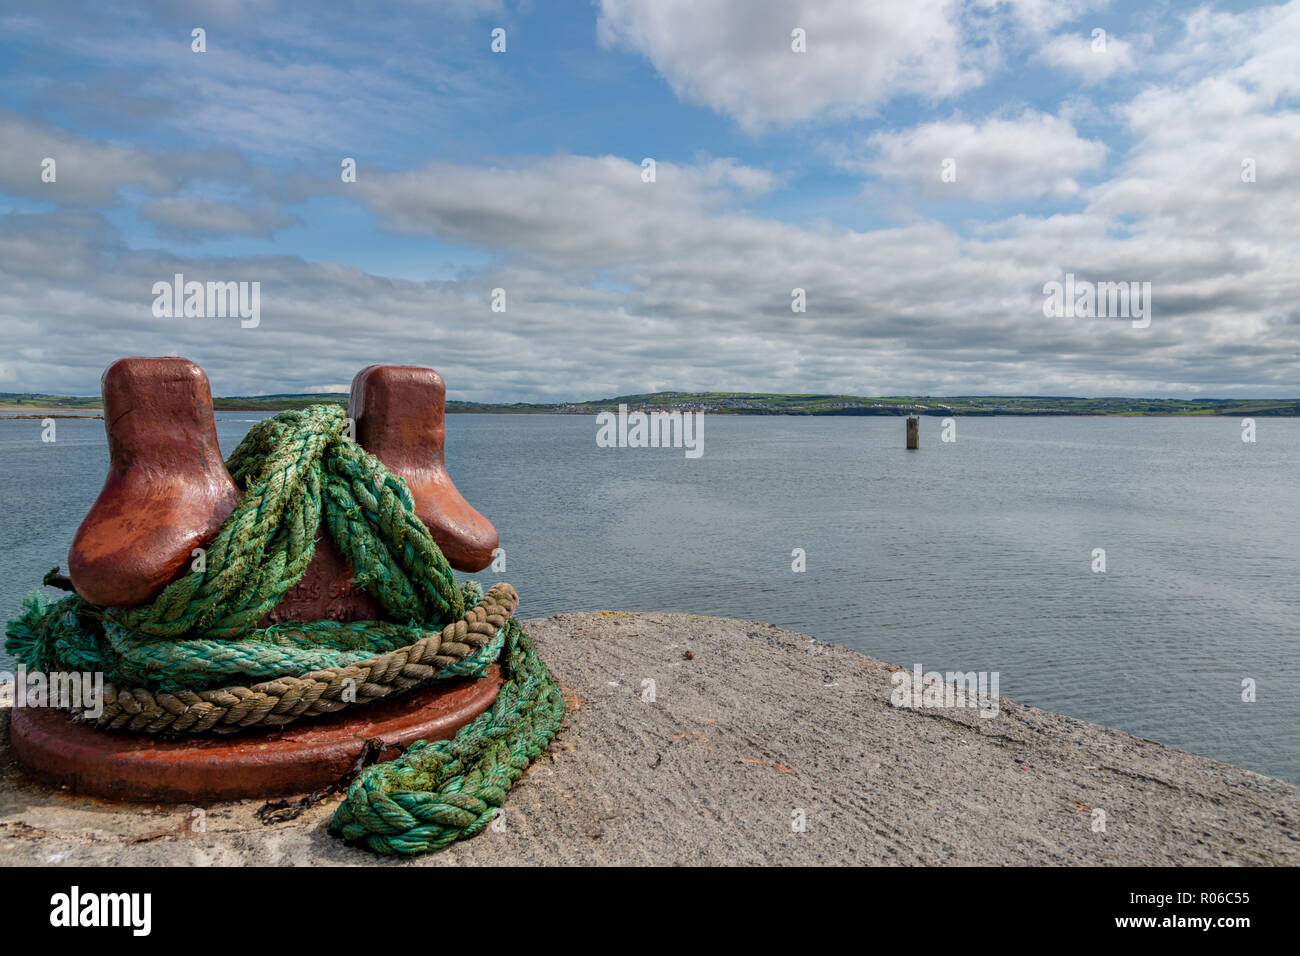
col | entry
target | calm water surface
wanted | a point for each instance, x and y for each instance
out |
(974, 555)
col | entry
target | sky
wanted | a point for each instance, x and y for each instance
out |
(920, 169)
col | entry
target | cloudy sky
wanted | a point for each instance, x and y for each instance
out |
(1123, 155)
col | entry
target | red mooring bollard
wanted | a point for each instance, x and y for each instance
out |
(167, 493)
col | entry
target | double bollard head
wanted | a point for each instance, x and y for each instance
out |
(168, 491)
(400, 416)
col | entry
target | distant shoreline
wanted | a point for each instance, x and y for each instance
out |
(15, 405)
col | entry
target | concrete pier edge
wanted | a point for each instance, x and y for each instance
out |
(704, 740)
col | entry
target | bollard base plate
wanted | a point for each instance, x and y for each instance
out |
(312, 753)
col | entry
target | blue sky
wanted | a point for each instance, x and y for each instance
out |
(776, 169)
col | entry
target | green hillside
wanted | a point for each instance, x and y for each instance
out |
(764, 403)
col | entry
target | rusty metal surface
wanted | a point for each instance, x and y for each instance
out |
(167, 490)
(167, 493)
(326, 591)
(58, 750)
(399, 413)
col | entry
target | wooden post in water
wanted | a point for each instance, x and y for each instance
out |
(913, 432)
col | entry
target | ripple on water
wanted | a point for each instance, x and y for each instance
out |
(967, 556)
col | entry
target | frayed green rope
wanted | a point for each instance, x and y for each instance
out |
(442, 791)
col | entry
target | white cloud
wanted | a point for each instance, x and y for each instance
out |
(735, 56)
(1041, 16)
(194, 219)
(1091, 58)
(997, 160)
(1191, 139)
(86, 171)
(280, 86)
(614, 285)
(570, 209)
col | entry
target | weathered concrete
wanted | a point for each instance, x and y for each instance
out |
(757, 724)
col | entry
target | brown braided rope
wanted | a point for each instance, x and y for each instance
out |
(283, 700)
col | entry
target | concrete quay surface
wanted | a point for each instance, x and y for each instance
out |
(760, 746)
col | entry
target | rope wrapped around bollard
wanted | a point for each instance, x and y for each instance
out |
(169, 664)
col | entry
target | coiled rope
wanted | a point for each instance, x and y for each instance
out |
(168, 665)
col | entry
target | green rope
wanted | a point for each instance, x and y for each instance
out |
(446, 790)
(72, 635)
(297, 470)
